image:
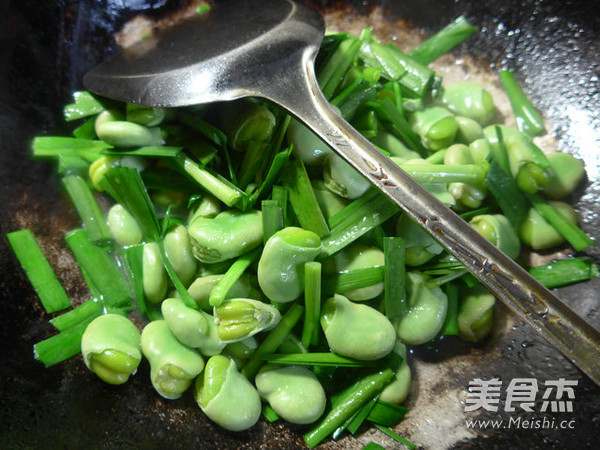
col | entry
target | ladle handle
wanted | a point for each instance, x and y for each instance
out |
(532, 302)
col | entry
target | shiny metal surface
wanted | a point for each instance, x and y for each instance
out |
(271, 55)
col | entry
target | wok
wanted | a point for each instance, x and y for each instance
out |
(45, 47)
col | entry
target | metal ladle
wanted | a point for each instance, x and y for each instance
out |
(266, 49)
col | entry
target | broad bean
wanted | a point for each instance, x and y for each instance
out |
(356, 330)
(343, 179)
(436, 126)
(467, 195)
(470, 100)
(397, 391)
(311, 149)
(178, 248)
(110, 347)
(228, 235)
(173, 366)
(123, 226)
(293, 392)
(121, 133)
(420, 246)
(281, 265)
(201, 288)
(188, 325)
(427, 307)
(154, 274)
(469, 130)
(475, 314)
(538, 234)
(357, 256)
(568, 173)
(239, 318)
(226, 396)
(497, 229)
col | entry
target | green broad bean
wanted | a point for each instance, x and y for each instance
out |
(121, 133)
(188, 325)
(173, 366)
(343, 179)
(241, 350)
(427, 307)
(329, 202)
(246, 121)
(466, 195)
(357, 256)
(475, 314)
(226, 396)
(397, 391)
(356, 330)
(469, 130)
(208, 207)
(110, 347)
(281, 265)
(293, 392)
(99, 168)
(420, 246)
(201, 288)
(497, 229)
(480, 150)
(123, 227)
(154, 275)
(568, 173)
(228, 235)
(311, 149)
(108, 115)
(144, 115)
(436, 126)
(211, 343)
(538, 234)
(178, 248)
(470, 100)
(239, 318)
(291, 344)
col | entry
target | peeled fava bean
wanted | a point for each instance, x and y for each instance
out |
(228, 235)
(537, 233)
(343, 179)
(178, 249)
(153, 273)
(123, 227)
(568, 173)
(427, 307)
(226, 396)
(110, 347)
(281, 265)
(293, 392)
(470, 100)
(193, 328)
(173, 366)
(420, 245)
(356, 330)
(202, 287)
(121, 133)
(188, 325)
(307, 145)
(399, 388)
(475, 314)
(239, 318)
(497, 229)
(436, 126)
(353, 257)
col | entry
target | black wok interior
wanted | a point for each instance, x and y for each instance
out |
(45, 47)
